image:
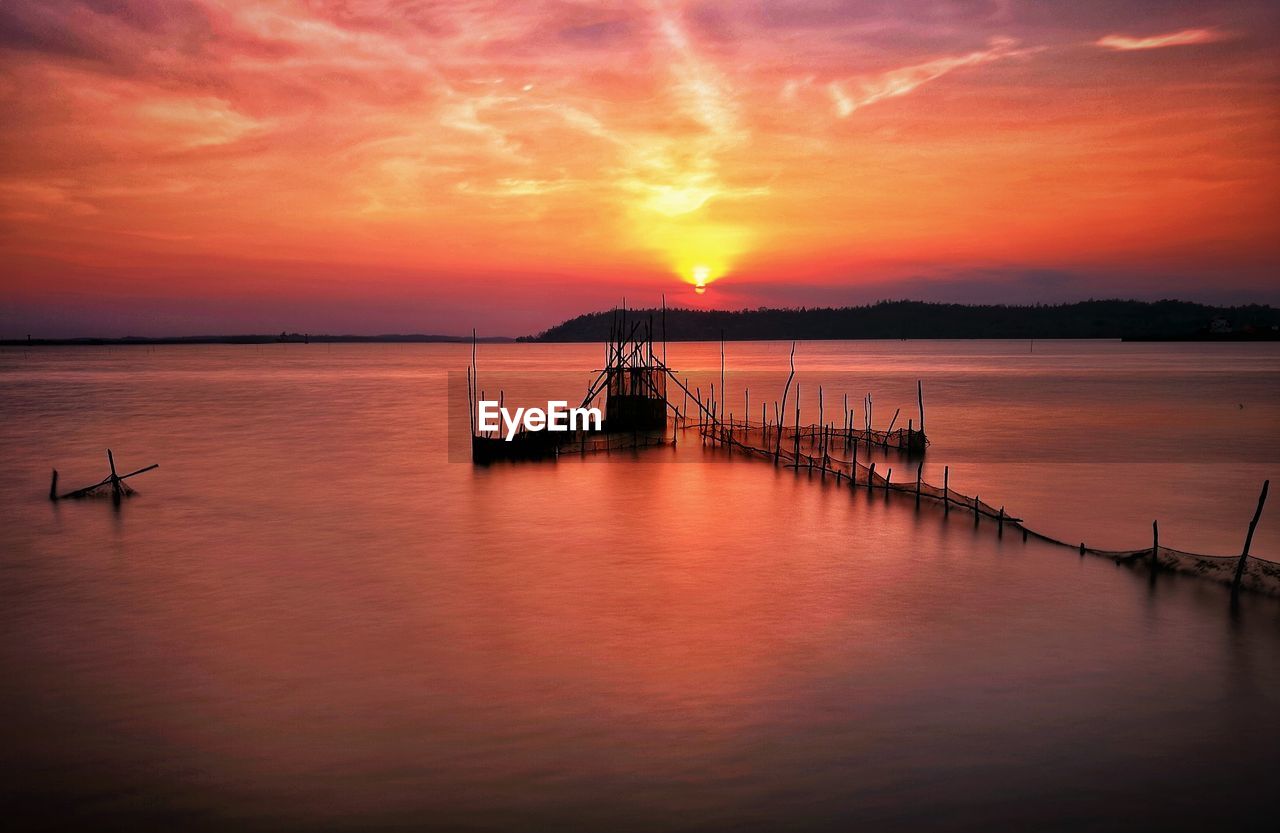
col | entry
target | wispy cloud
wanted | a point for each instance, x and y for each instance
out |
(1186, 37)
(652, 134)
(852, 94)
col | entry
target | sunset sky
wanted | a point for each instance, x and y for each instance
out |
(202, 166)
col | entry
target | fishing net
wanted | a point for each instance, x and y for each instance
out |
(814, 449)
(101, 490)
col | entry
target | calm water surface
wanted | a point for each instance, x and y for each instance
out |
(309, 618)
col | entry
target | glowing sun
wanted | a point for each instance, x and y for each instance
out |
(700, 276)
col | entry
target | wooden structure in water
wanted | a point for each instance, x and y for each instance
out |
(631, 387)
(112, 485)
(635, 382)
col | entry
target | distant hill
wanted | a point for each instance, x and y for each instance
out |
(1155, 320)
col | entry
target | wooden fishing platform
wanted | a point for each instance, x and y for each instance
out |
(635, 382)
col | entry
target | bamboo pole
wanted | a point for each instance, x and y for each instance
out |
(115, 481)
(722, 388)
(777, 449)
(1248, 541)
(920, 399)
(797, 453)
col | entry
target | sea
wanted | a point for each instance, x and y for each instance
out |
(317, 614)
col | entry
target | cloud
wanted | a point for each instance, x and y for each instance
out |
(850, 95)
(1187, 37)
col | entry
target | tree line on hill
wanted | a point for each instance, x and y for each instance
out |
(1155, 320)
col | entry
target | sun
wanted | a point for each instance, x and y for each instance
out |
(701, 274)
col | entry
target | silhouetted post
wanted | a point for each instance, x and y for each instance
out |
(975, 510)
(871, 481)
(115, 480)
(821, 424)
(722, 387)
(888, 476)
(920, 399)
(1248, 541)
(1155, 546)
(820, 438)
(919, 476)
(797, 452)
(777, 449)
(53, 484)
(946, 490)
(844, 408)
(664, 329)
(1000, 522)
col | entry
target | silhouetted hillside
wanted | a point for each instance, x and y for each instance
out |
(915, 319)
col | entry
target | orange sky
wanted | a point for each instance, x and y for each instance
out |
(371, 166)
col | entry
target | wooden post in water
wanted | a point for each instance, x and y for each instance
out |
(115, 480)
(946, 490)
(797, 429)
(1248, 541)
(844, 407)
(723, 394)
(782, 412)
(820, 438)
(975, 510)
(1155, 546)
(871, 481)
(701, 411)
(888, 476)
(53, 486)
(920, 398)
(919, 477)
(1000, 522)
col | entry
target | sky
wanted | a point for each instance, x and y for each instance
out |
(371, 166)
